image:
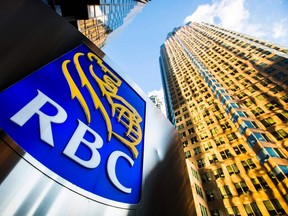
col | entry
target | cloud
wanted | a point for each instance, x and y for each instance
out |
(159, 93)
(280, 29)
(230, 14)
(204, 13)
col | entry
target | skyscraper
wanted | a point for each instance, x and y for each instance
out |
(98, 20)
(227, 94)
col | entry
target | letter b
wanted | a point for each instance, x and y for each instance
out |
(78, 138)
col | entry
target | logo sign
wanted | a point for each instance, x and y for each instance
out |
(81, 120)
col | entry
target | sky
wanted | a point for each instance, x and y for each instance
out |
(136, 50)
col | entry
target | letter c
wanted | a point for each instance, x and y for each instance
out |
(111, 169)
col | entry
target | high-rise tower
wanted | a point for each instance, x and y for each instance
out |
(227, 94)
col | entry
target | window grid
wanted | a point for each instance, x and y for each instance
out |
(232, 169)
(239, 149)
(252, 209)
(225, 191)
(260, 183)
(241, 187)
(248, 164)
(274, 207)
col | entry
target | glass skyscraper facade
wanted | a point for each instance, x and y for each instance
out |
(99, 20)
(227, 94)
(108, 18)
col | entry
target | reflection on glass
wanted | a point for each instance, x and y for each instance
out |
(108, 18)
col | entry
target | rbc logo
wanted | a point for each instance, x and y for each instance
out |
(82, 121)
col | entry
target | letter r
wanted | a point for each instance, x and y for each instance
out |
(32, 108)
